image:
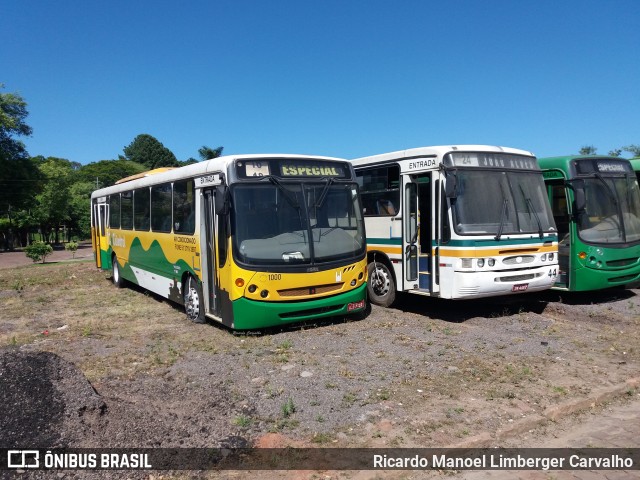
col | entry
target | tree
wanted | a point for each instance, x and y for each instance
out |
(633, 149)
(52, 203)
(17, 177)
(207, 153)
(149, 152)
(107, 172)
(588, 150)
(80, 208)
(615, 152)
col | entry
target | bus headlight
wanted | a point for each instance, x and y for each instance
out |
(543, 257)
(491, 262)
(264, 293)
(466, 263)
(550, 257)
(480, 262)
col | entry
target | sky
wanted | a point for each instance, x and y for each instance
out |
(344, 78)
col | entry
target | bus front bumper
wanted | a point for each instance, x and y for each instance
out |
(251, 314)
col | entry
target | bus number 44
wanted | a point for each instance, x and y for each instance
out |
(552, 273)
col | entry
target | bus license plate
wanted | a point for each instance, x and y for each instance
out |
(520, 287)
(355, 306)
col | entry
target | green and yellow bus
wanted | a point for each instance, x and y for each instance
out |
(596, 205)
(250, 241)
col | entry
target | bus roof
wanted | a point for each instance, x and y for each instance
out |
(205, 167)
(438, 151)
(635, 164)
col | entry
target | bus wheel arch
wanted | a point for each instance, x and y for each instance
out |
(193, 300)
(116, 272)
(381, 283)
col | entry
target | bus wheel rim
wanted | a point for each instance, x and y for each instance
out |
(381, 282)
(116, 272)
(192, 301)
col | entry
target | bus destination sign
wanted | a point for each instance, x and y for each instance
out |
(311, 170)
(291, 168)
(492, 160)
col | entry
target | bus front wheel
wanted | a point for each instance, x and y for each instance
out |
(193, 303)
(118, 281)
(380, 286)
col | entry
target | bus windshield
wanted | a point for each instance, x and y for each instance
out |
(612, 210)
(280, 223)
(501, 203)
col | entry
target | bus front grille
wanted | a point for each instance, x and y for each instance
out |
(622, 263)
(314, 290)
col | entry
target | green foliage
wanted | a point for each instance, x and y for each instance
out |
(80, 208)
(71, 247)
(17, 176)
(288, 408)
(207, 153)
(38, 251)
(107, 172)
(148, 151)
(588, 150)
(633, 149)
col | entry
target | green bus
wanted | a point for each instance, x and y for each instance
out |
(635, 164)
(596, 207)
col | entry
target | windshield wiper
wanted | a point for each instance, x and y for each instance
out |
(532, 211)
(286, 193)
(503, 216)
(329, 181)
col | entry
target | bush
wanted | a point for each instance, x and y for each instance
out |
(38, 251)
(72, 247)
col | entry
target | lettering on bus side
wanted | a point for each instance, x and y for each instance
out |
(184, 244)
(419, 164)
(117, 241)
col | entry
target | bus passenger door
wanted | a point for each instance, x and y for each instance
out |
(100, 240)
(426, 227)
(410, 237)
(210, 274)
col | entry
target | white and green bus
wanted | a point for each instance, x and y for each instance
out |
(456, 222)
(250, 241)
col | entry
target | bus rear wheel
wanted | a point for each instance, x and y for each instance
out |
(380, 286)
(118, 281)
(193, 303)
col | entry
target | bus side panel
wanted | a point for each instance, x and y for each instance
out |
(157, 262)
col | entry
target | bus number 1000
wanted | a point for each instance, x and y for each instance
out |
(275, 276)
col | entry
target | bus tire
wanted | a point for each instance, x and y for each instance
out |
(193, 301)
(116, 274)
(380, 286)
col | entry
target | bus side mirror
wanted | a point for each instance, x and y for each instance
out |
(579, 198)
(451, 185)
(221, 197)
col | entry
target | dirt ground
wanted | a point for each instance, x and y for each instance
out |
(84, 364)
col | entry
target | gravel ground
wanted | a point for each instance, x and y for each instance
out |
(424, 373)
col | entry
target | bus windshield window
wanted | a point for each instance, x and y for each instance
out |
(601, 222)
(273, 223)
(493, 201)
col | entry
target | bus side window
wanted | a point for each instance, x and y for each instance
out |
(380, 190)
(114, 211)
(161, 208)
(126, 210)
(184, 207)
(141, 213)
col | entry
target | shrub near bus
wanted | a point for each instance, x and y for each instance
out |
(249, 241)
